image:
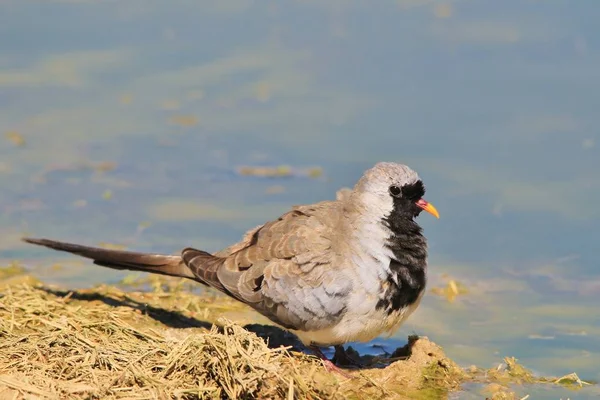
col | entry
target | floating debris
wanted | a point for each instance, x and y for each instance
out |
(315, 172)
(15, 137)
(102, 166)
(450, 291)
(269, 172)
(571, 380)
(535, 336)
(280, 171)
(184, 120)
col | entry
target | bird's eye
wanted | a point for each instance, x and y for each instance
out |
(395, 191)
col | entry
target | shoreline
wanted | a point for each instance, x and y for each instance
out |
(168, 342)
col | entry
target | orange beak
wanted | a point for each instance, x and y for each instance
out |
(428, 207)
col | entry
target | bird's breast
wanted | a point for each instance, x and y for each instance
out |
(403, 286)
(388, 275)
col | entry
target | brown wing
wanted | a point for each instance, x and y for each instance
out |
(283, 269)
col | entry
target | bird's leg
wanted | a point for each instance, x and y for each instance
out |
(341, 357)
(329, 366)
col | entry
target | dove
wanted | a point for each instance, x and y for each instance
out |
(333, 272)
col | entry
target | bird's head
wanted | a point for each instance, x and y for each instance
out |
(394, 191)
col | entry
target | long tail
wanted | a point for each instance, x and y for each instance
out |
(118, 259)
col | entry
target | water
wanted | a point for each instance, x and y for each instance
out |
(493, 103)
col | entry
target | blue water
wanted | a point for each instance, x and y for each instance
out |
(493, 103)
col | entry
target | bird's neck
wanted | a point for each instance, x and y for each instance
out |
(409, 249)
(398, 235)
(406, 241)
(406, 277)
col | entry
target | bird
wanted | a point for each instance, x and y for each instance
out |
(332, 272)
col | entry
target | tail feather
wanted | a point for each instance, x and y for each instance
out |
(119, 259)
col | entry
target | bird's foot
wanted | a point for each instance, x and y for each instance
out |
(342, 357)
(330, 366)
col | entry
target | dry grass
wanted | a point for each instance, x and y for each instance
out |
(105, 343)
(169, 343)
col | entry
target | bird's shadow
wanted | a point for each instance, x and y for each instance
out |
(274, 336)
(172, 319)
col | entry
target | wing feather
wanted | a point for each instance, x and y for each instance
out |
(284, 268)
